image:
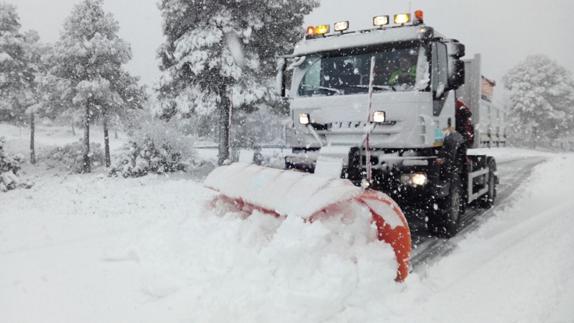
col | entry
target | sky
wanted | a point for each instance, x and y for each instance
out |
(503, 31)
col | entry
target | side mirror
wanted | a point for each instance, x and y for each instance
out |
(280, 81)
(456, 67)
(456, 73)
(455, 49)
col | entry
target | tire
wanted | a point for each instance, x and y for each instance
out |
(444, 221)
(488, 200)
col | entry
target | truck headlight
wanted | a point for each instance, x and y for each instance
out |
(304, 119)
(379, 117)
(419, 179)
(415, 179)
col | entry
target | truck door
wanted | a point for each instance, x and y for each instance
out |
(439, 78)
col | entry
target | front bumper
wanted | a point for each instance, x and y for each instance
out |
(387, 179)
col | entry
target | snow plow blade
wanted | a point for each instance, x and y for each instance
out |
(282, 193)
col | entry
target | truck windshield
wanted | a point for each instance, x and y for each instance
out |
(396, 69)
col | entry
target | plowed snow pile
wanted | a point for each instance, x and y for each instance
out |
(94, 249)
(148, 251)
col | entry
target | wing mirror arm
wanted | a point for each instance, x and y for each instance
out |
(280, 81)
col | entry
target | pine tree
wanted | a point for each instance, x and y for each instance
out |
(129, 96)
(221, 53)
(88, 61)
(541, 106)
(37, 68)
(20, 70)
(15, 74)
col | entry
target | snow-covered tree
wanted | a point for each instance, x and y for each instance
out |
(10, 170)
(130, 96)
(21, 66)
(15, 71)
(221, 53)
(37, 69)
(541, 102)
(89, 59)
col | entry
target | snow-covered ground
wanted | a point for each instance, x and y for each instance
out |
(49, 136)
(519, 265)
(503, 155)
(96, 249)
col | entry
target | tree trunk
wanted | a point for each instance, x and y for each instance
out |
(73, 129)
(106, 141)
(32, 138)
(87, 165)
(534, 140)
(224, 125)
(116, 136)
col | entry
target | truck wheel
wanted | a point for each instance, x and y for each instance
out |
(487, 201)
(444, 221)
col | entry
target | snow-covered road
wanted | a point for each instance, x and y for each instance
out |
(94, 249)
(512, 173)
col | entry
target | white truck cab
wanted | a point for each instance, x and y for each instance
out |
(331, 84)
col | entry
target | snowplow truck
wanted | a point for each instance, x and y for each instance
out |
(381, 105)
(374, 131)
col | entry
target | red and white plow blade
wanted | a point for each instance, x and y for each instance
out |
(287, 193)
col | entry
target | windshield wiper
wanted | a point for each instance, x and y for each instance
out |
(377, 87)
(315, 88)
(384, 87)
(338, 91)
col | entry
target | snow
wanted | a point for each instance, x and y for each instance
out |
(96, 249)
(285, 192)
(4, 57)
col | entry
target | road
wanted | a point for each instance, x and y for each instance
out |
(428, 250)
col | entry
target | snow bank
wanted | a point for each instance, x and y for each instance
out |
(256, 271)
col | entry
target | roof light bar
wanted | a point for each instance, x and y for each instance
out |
(400, 19)
(381, 21)
(341, 26)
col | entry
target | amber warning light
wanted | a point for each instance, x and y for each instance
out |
(419, 16)
(319, 30)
